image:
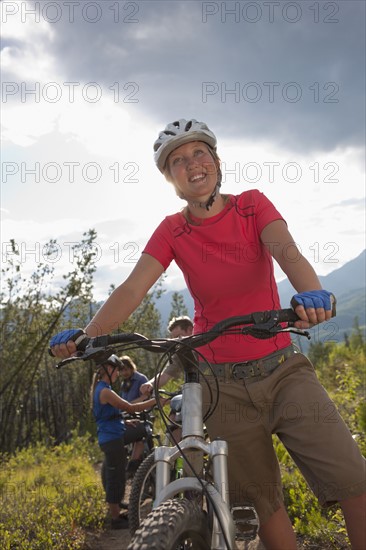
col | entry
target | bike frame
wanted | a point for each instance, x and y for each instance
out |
(223, 529)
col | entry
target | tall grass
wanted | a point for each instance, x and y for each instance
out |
(317, 527)
(49, 496)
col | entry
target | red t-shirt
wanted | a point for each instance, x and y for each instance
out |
(227, 269)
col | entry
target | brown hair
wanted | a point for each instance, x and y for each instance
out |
(127, 362)
(96, 377)
(183, 322)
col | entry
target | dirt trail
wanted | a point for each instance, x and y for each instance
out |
(111, 539)
(119, 540)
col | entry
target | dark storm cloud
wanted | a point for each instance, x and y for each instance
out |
(289, 72)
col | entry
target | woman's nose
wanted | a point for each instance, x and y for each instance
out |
(190, 162)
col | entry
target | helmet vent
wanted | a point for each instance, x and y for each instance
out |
(178, 133)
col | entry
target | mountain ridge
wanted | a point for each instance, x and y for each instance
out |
(347, 283)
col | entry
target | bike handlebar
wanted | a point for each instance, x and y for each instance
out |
(261, 324)
(200, 339)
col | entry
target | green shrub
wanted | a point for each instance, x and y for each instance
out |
(48, 496)
(324, 528)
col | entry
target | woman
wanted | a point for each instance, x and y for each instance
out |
(107, 407)
(132, 380)
(224, 245)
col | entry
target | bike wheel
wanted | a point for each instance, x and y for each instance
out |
(142, 493)
(178, 524)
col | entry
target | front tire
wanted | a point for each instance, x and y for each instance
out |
(142, 493)
(178, 524)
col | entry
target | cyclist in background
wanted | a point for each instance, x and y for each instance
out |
(132, 380)
(177, 327)
(180, 326)
(224, 245)
(111, 430)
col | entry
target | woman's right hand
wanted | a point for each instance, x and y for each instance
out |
(65, 343)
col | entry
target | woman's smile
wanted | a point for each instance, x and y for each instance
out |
(193, 170)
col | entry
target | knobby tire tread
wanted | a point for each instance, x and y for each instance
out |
(138, 484)
(169, 524)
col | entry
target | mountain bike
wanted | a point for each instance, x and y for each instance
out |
(145, 427)
(193, 511)
(143, 485)
(146, 434)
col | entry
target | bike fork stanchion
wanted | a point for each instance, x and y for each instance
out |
(162, 457)
(219, 454)
(192, 426)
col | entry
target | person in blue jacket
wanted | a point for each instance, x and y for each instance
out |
(132, 380)
(107, 406)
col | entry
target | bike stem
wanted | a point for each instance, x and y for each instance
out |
(192, 423)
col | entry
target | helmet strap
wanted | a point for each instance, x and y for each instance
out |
(206, 205)
(105, 368)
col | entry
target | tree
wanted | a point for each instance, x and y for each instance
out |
(37, 401)
(178, 306)
(356, 339)
(33, 401)
(146, 320)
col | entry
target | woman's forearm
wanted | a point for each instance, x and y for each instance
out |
(126, 297)
(118, 307)
(301, 275)
(284, 250)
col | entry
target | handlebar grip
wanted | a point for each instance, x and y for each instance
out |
(78, 336)
(287, 316)
(120, 338)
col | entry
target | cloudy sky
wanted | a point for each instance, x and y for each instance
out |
(87, 86)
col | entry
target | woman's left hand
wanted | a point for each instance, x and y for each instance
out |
(313, 307)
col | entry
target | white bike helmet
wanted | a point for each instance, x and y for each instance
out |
(178, 133)
(113, 361)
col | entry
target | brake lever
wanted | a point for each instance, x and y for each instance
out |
(67, 361)
(269, 328)
(262, 332)
(298, 331)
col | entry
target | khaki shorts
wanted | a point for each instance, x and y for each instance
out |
(291, 403)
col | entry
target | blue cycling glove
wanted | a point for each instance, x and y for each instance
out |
(75, 334)
(314, 299)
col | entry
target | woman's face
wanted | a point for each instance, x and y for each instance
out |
(111, 374)
(126, 372)
(192, 170)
